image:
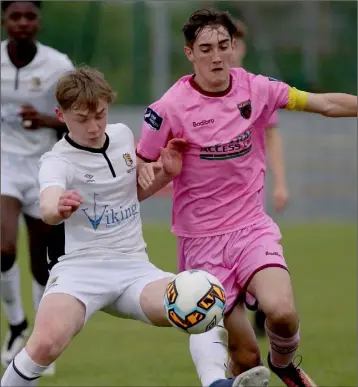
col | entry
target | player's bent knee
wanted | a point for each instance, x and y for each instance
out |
(152, 304)
(59, 318)
(282, 312)
(45, 349)
(243, 359)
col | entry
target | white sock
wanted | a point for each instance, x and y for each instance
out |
(210, 355)
(11, 295)
(37, 292)
(22, 371)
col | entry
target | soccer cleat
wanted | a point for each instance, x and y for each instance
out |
(15, 341)
(292, 375)
(259, 323)
(255, 377)
(50, 370)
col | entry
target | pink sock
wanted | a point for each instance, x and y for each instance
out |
(282, 350)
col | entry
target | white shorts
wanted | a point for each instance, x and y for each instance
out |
(19, 179)
(113, 285)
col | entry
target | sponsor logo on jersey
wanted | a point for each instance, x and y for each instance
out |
(203, 122)
(110, 217)
(153, 119)
(239, 146)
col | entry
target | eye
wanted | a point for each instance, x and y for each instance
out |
(224, 47)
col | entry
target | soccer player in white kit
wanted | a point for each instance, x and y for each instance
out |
(98, 255)
(29, 128)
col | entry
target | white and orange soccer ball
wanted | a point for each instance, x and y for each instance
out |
(194, 301)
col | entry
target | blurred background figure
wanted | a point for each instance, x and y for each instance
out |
(29, 71)
(138, 45)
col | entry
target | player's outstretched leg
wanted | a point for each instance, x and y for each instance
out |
(59, 318)
(272, 288)
(210, 356)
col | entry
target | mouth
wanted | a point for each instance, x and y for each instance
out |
(217, 70)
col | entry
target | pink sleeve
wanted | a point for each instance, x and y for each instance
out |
(155, 133)
(274, 92)
(273, 121)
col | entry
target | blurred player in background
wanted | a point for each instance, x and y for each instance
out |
(218, 211)
(98, 259)
(29, 128)
(273, 142)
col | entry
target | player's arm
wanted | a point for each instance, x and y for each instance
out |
(152, 177)
(56, 203)
(277, 165)
(155, 135)
(328, 104)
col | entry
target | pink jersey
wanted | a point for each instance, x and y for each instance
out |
(219, 188)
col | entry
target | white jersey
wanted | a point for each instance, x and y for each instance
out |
(109, 218)
(33, 84)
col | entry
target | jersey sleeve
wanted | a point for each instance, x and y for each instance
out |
(155, 133)
(55, 170)
(273, 121)
(279, 95)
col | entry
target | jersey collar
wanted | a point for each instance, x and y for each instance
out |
(87, 149)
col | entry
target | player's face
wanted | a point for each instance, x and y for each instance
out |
(21, 21)
(239, 51)
(86, 127)
(211, 55)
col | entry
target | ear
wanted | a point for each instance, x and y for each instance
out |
(240, 47)
(188, 51)
(59, 114)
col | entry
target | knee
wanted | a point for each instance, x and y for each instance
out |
(243, 359)
(7, 258)
(282, 313)
(44, 348)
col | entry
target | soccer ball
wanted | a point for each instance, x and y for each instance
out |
(194, 301)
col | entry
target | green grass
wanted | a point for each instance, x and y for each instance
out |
(322, 260)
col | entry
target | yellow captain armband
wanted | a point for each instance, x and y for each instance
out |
(297, 99)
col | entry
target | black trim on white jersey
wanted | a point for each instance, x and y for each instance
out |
(56, 244)
(94, 150)
(17, 79)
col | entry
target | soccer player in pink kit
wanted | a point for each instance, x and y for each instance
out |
(218, 212)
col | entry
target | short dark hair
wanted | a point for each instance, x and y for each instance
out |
(207, 17)
(5, 4)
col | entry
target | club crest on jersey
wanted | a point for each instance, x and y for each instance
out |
(36, 81)
(36, 84)
(128, 159)
(245, 109)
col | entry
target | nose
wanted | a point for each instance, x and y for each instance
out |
(216, 57)
(23, 22)
(92, 127)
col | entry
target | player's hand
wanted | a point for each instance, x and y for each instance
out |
(31, 118)
(147, 172)
(68, 203)
(172, 156)
(280, 198)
